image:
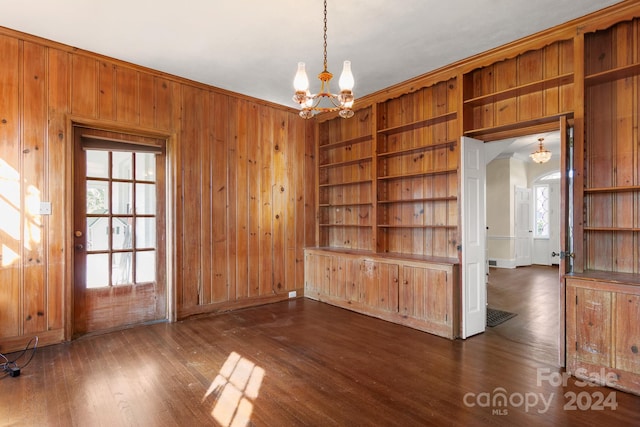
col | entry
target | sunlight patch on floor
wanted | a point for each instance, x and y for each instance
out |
(236, 387)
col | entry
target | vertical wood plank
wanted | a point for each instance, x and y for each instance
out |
(128, 95)
(267, 209)
(10, 204)
(106, 90)
(206, 207)
(220, 198)
(58, 69)
(34, 190)
(279, 197)
(190, 196)
(147, 101)
(164, 103)
(254, 169)
(84, 86)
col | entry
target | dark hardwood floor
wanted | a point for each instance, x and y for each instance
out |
(533, 293)
(302, 362)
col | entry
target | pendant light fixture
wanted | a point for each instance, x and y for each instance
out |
(324, 100)
(541, 155)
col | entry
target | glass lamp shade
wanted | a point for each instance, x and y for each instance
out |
(301, 81)
(346, 81)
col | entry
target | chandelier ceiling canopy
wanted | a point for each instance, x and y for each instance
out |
(324, 100)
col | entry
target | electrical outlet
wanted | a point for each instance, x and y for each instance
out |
(293, 294)
(45, 208)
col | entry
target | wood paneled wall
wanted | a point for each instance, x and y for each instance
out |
(241, 208)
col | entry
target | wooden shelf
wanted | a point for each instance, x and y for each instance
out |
(346, 142)
(417, 226)
(629, 188)
(420, 200)
(418, 124)
(525, 89)
(613, 74)
(539, 124)
(346, 162)
(341, 205)
(417, 149)
(612, 229)
(336, 184)
(345, 225)
(417, 174)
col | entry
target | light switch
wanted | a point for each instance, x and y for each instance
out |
(45, 208)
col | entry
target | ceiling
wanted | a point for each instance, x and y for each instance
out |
(253, 46)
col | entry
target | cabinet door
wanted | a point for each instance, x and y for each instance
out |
(627, 328)
(379, 285)
(425, 294)
(344, 278)
(317, 274)
(592, 326)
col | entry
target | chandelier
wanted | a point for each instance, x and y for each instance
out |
(541, 155)
(311, 103)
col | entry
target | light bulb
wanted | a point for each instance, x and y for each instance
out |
(346, 81)
(301, 81)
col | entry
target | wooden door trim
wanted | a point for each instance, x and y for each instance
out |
(66, 136)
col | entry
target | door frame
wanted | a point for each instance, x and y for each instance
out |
(564, 123)
(170, 166)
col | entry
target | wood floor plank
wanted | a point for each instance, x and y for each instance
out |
(298, 362)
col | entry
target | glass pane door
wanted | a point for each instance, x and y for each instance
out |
(120, 218)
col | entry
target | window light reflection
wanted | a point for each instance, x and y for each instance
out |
(235, 389)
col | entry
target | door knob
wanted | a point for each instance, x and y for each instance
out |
(79, 247)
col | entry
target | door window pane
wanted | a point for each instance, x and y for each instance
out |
(97, 234)
(145, 266)
(122, 198)
(97, 270)
(121, 268)
(145, 167)
(122, 165)
(145, 233)
(121, 230)
(97, 197)
(542, 211)
(97, 164)
(145, 199)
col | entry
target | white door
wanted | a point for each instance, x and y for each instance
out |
(523, 226)
(474, 285)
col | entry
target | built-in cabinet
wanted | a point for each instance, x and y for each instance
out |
(419, 293)
(388, 211)
(603, 297)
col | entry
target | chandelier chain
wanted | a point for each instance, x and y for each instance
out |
(325, 35)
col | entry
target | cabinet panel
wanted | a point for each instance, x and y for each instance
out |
(627, 336)
(593, 332)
